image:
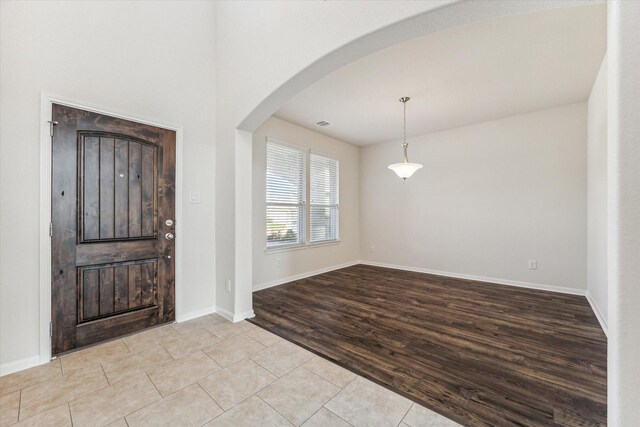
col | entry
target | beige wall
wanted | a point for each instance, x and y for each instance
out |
(276, 267)
(597, 194)
(153, 60)
(490, 197)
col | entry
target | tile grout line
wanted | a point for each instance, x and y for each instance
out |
(148, 404)
(19, 404)
(222, 368)
(70, 415)
(325, 407)
(327, 379)
(313, 374)
(104, 373)
(405, 414)
(154, 385)
(214, 400)
(328, 409)
(246, 398)
(267, 403)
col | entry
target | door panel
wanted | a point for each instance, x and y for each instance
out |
(112, 189)
(117, 189)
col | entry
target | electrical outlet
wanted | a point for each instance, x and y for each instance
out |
(228, 285)
(372, 249)
(533, 264)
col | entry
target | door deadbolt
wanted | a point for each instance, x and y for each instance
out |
(169, 222)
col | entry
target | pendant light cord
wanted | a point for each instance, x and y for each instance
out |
(404, 123)
(404, 127)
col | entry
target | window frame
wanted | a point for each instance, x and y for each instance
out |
(303, 205)
(336, 238)
(306, 206)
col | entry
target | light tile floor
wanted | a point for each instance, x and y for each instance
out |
(204, 372)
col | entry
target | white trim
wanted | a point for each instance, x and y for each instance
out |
(194, 314)
(231, 317)
(19, 365)
(596, 311)
(224, 313)
(46, 101)
(286, 248)
(241, 316)
(298, 247)
(282, 280)
(552, 288)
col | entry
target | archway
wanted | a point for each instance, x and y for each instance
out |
(623, 377)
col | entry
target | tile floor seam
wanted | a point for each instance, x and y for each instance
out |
(238, 403)
(315, 375)
(274, 373)
(104, 373)
(214, 361)
(19, 406)
(282, 415)
(327, 379)
(142, 407)
(312, 415)
(211, 397)
(405, 414)
(355, 378)
(70, 415)
(325, 407)
(154, 385)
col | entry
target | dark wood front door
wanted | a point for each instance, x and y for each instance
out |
(113, 204)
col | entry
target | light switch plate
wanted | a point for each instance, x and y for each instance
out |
(194, 197)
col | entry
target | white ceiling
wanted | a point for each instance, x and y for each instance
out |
(468, 74)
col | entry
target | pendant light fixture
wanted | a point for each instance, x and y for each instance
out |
(405, 169)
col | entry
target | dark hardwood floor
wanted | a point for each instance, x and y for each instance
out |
(478, 353)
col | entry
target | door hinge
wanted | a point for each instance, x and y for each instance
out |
(52, 126)
(50, 330)
(50, 229)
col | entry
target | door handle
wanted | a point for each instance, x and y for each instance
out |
(169, 236)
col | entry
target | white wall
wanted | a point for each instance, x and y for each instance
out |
(490, 197)
(266, 268)
(623, 176)
(153, 60)
(262, 47)
(597, 195)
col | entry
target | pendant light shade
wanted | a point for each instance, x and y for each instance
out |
(405, 169)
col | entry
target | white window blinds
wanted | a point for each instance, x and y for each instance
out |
(286, 195)
(324, 199)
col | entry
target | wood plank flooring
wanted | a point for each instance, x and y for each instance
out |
(478, 353)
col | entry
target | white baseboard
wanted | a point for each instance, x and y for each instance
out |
(516, 283)
(19, 365)
(596, 311)
(225, 313)
(237, 317)
(196, 313)
(280, 281)
(241, 316)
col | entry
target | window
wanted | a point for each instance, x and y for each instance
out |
(324, 199)
(291, 187)
(286, 195)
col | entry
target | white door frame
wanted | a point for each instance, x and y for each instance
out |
(46, 101)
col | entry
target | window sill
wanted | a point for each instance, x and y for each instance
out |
(301, 247)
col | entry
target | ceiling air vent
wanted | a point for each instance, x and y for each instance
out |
(323, 123)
